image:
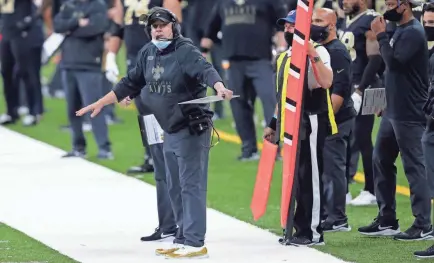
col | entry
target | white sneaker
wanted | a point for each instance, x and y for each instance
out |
(29, 120)
(5, 118)
(169, 249)
(188, 252)
(23, 110)
(364, 198)
(348, 198)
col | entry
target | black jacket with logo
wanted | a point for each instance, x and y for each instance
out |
(176, 74)
(83, 46)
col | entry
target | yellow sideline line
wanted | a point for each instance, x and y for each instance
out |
(359, 177)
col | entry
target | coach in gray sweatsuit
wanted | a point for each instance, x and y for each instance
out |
(84, 23)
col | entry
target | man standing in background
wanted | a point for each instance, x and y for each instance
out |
(248, 28)
(402, 123)
(428, 136)
(366, 63)
(84, 24)
(200, 12)
(21, 49)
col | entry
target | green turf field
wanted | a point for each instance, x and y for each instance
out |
(230, 189)
(17, 247)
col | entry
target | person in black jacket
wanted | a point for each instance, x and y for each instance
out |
(248, 28)
(200, 12)
(402, 124)
(324, 31)
(84, 23)
(21, 47)
(170, 70)
(428, 136)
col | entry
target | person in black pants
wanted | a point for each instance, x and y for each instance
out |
(21, 47)
(315, 125)
(335, 146)
(402, 124)
(366, 63)
(200, 11)
(428, 136)
(84, 24)
(247, 28)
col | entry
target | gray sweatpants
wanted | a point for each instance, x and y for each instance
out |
(83, 88)
(166, 217)
(186, 158)
(335, 169)
(403, 137)
(428, 150)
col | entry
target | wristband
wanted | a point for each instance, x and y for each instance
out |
(116, 30)
(273, 123)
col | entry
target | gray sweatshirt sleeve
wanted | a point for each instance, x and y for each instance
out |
(133, 82)
(64, 21)
(196, 66)
(98, 21)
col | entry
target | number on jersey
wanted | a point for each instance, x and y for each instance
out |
(348, 39)
(134, 9)
(7, 6)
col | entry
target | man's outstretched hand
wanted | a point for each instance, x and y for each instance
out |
(223, 92)
(95, 108)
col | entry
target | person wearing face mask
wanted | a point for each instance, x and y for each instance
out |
(428, 136)
(323, 31)
(128, 29)
(317, 122)
(170, 70)
(133, 34)
(402, 124)
(366, 64)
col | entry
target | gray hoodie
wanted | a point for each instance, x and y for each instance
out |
(176, 74)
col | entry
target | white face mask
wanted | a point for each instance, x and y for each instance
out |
(161, 44)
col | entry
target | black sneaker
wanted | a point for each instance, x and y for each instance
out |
(159, 235)
(415, 233)
(378, 228)
(147, 167)
(249, 157)
(427, 253)
(306, 242)
(337, 226)
(75, 153)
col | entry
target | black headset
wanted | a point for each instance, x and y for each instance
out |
(176, 27)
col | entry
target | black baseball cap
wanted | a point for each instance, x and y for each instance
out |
(161, 15)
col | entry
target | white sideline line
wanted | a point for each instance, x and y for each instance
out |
(93, 214)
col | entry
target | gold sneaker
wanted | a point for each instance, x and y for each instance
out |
(170, 249)
(188, 252)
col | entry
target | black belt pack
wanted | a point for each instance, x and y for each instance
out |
(198, 119)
